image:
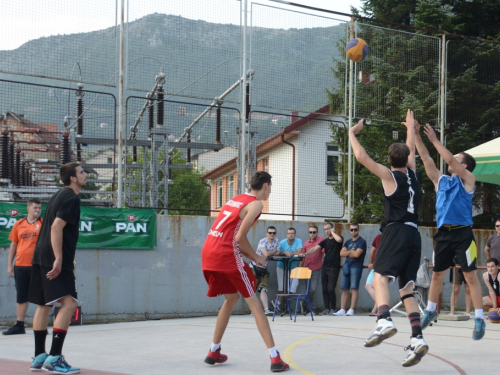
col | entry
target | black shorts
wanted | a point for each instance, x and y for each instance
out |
(398, 253)
(47, 292)
(22, 276)
(456, 243)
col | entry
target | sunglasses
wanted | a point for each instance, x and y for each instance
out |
(353, 230)
(271, 233)
(311, 232)
(498, 226)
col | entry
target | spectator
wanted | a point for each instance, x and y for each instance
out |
(331, 266)
(354, 250)
(459, 279)
(369, 280)
(267, 247)
(313, 262)
(23, 237)
(289, 247)
(492, 248)
(490, 278)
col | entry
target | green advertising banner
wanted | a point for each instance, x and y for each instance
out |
(100, 228)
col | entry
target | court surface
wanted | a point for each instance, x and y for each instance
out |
(329, 344)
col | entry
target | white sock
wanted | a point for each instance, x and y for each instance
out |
(215, 347)
(479, 313)
(273, 352)
(431, 306)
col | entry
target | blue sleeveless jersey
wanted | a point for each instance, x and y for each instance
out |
(453, 202)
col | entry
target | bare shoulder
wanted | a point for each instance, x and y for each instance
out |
(252, 209)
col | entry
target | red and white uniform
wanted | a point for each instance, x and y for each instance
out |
(221, 260)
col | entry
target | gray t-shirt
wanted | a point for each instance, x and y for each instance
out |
(494, 244)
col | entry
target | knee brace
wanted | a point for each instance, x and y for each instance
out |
(407, 296)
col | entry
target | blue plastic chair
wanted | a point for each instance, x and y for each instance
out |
(301, 273)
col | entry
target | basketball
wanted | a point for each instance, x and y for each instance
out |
(356, 49)
(493, 316)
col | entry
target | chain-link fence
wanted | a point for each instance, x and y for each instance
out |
(183, 98)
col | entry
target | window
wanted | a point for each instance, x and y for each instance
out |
(219, 193)
(110, 160)
(266, 165)
(332, 159)
(230, 187)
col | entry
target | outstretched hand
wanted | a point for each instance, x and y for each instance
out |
(417, 128)
(357, 128)
(410, 120)
(429, 132)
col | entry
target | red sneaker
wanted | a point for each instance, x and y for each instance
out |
(217, 357)
(277, 364)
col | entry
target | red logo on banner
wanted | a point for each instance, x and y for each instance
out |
(131, 217)
(14, 212)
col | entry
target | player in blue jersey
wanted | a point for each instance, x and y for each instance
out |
(454, 237)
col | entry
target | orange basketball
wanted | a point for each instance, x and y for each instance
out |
(356, 49)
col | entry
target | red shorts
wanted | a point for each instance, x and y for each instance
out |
(230, 282)
(498, 301)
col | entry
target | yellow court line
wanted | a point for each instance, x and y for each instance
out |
(287, 353)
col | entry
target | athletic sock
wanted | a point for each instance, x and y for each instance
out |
(383, 312)
(273, 352)
(416, 326)
(431, 306)
(40, 337)
(20, 323)
(479, 313)
(215, 347)
(58, 336)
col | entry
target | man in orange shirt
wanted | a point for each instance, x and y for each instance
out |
(23, 237)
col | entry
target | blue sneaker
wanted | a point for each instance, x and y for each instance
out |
(56, 364)
(38, 361)
(479, 327)
(428, 317)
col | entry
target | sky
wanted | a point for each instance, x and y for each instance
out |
(33, 19)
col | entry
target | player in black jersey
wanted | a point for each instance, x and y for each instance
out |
(400, 246)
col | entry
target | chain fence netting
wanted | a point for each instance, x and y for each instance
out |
(184, 97)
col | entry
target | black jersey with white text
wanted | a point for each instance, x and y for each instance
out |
(402, 205)
(494, 284)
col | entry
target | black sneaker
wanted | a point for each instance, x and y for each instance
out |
(14, 330)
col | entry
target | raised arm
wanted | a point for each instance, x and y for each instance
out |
(467, 177)
(430, 168)
(410, 139)
(377, 169)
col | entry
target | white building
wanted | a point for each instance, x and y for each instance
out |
(301, 161)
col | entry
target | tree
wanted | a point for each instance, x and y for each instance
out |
(188, 191)
(400, 77)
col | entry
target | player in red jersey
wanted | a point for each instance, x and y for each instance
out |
(226, 272)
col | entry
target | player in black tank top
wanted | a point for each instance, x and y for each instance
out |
(399, 251)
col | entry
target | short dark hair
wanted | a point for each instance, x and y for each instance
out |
(328, 223)
(398, 155)
(271, 227)
(34, 201)
(354, 225)
(469, 161)
(313, 226)
(494, 260)
(291, 228)
(67, 171)
(258, 180)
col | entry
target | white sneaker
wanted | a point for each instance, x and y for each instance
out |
(350, 312)
(341, 312)
(416, 350)
(385, 328)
